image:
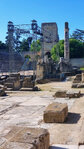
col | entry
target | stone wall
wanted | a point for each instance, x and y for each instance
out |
(4, 61)
(79, 62)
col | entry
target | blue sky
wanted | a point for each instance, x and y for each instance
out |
(59, 11)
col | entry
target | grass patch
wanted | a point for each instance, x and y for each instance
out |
(82, 68)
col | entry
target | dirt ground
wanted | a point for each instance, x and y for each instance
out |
(26, 109)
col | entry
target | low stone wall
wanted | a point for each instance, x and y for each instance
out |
(79, 62)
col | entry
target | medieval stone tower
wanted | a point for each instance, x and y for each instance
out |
(50, 36)
(66, 42)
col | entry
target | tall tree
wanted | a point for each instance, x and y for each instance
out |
(76, 49)
(36, 46)
(57, 50)
(3, 47)
(24, 46)
(78, 34)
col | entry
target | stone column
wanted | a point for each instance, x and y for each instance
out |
(11, 46)
(66, 42)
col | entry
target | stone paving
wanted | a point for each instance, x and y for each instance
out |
(26, 109)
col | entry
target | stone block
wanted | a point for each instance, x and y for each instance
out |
(78, 78)
(16, 85)
(73, 94)
(13, 81)
(83, 77)
(15, 75)
(60, 94)
(9, 84)
(2, 90)
(74, 85)
(26, 138)
(28, 82)
(55, 113)
(80, 85)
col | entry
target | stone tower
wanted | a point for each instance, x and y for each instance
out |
(66, 42)
(50, 36)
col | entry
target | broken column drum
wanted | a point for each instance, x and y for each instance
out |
(66, 43)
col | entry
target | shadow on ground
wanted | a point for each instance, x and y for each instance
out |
(56, 147)
(82, 94)
(72, 118)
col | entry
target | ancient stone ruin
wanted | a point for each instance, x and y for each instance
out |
(15, 82)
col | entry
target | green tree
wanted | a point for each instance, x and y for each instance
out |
(24, 46)
(78, 34)
(57, 50)
(3, 47)
(36, 46)
(28, 57)
(76, 49)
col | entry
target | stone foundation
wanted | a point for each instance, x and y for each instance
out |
(55, 113)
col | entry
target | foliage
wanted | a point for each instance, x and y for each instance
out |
(24, 46)
(76, 49)
(78, 34)
(3, 47)
(82, 68)
(36, 46)
(28, 56)
(57, 50)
